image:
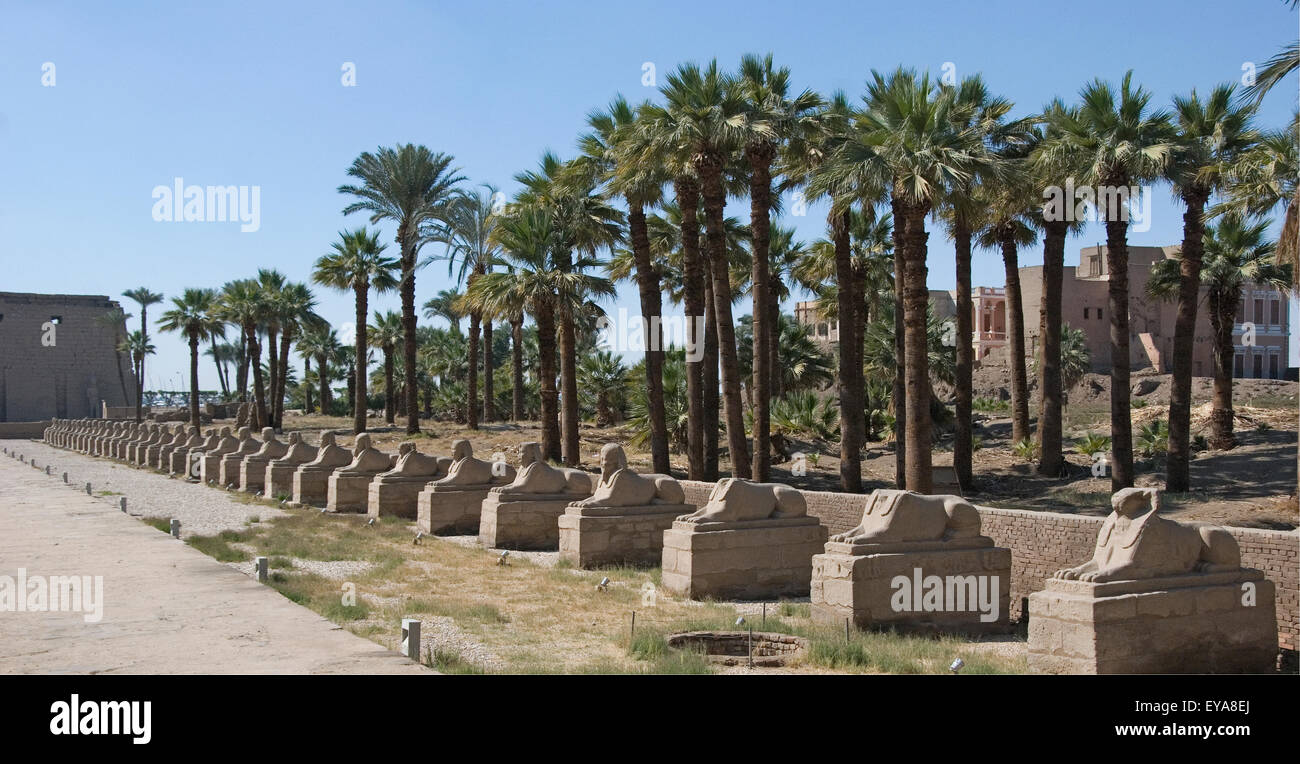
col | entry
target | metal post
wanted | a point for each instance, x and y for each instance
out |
(261, 569)
(176, 528)
(410, 636)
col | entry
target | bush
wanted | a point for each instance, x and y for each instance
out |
(1090, 445)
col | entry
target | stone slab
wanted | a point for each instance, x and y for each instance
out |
(593, 536)
(770, 559)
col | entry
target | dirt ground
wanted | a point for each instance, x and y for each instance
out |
(1252, 485)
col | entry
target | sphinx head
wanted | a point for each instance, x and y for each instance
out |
(225, 432)
(405, 448)
(362, 444)
(529, 452)
(295, 438)
(268, 434)
(1131, 502)
(245, 433)
(612, 459)
(461, 449)
(326, 438)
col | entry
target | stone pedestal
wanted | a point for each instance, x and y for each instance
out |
(210, 469)
(151, 456)
(522, 521)
(592, 536)
(179, 463)
(891, 585)
(279, 479)
(751, 559)
(1188, 624)
(396, 495)
(230, 464)
(252, 475)
(451, 509)
(311, 485)
(348, 491)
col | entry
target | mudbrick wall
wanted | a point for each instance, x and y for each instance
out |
(1042, 543)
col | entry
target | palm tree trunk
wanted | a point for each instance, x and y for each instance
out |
(1121, 419)
(139, 380)
(194, 379)
(359, 363)
(715, 199)
(916, 299)
(760, 203)
(272, 384)
(306, 388)
(517, 368)
(1016, 342)
(569, 389)
(709, 380)
(900, 349)
(1178, 466)
(390, 407)
(259, 392)
(774, 334)
(546, 372)
(850, 370)
(489, 412)
(647, 281)
(963, 445)
(471, 383)
(410, 343)
(1051, 462)
(286, 342)
(1222, 313)
(693, 295)
(322, 374)
(241, 374)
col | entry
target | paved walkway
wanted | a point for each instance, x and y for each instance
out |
(167, 608)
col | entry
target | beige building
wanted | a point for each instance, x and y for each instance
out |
(57, 357)
(1151, 321)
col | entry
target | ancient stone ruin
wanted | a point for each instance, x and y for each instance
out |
(624, 520)
(252, 470)
(915, 562)
(1157, 597)
(454, 503)
(311, 481)
(750, 541)
(279, 472)
(524, 514)
(348, 489)
(395, 493)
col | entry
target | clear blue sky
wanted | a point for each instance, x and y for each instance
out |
(249, 93)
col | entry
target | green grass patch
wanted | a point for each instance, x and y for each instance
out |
(219, 546)
(163, 524)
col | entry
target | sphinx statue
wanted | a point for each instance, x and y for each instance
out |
(1136, 543)
(734, 500)
(524, 514)
(280, 471)
(231, 462)
(535, 476)
(893, 516)
(252, 470)
(619, 486)
(624, 520)
(210, 462)
(178, 460)
(466, 470)
(348, 489)
(311, 480)
(396, 492)
(453, 503)
(1158, 596)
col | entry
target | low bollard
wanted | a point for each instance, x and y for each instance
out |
(411, 639)
(176, 528)
(261, 569)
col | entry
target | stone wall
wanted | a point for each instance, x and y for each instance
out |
(23, 429)
(74, 376)
(1043, 542)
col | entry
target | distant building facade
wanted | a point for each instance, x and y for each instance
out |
(58, 357)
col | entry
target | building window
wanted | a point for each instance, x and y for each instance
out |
(1238, 366)
(1275, 312)
(1272, 365)
(1094, 265)
(1098, 314)
(1259, 311)
(1241, 312)
(1085, 313)
(1259, 367)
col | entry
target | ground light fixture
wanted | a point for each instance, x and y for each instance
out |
(603, 585)
(502, 559)
(419, 535)
(956, 665)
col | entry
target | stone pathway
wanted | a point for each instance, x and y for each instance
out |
(167, 608)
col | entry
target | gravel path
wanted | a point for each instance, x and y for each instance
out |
(202, 510)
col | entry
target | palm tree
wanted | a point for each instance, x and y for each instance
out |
(909, 127)
(770, 117)
(1211, 136)
(410, 186)
(1125, 143)
(466, 230)
(1236, 254)
(295, 308)
(1011, 206)
(115, 321)
(585, 223)
(386, 334)
(243, 302)
(705, 111)
(531, 281)
(194, 314)
(613, 155)
(358, 263)
(137, 345)
(145, 298)
(272, 283)
(603, 378)
(444, 305)
(1264, 178)
(221, 354)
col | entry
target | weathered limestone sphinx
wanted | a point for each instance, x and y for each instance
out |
(1157, 597)
(135, 448)
(133, 431)
(228, 472)
(191, 465)
(252, 470)
(915, 563)
(178, 460)
(279, 472)
(311, 480)
(349, 486)
(396, 493)
(210, 462)
(750, 541)
(170, 436)
(92, 437)
(624, 520)
(453, 504)
(525, 513)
